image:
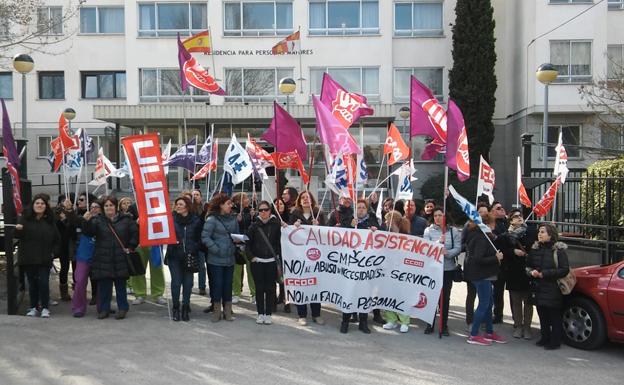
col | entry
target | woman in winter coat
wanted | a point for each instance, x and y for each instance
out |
(83, 256)
(306, 212)
(188, 228)
(481, 267)
(451, 239)
(362, 220)
(544, 271)
(241, 206)
(396, 223)
(279, 210)
(40, 242)
(262, 250)
(115, 236)
(216, 236)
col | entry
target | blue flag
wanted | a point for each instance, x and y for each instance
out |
(156, 256)
(184, 157)
(469, 209)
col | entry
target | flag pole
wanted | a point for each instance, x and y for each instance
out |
(444, 194)
(272, 202)
(311, 162)
(86, 165)
(518, 176)
(212, 144)
(214, 67)
(192, 182)
(300, 64)
(184, 123)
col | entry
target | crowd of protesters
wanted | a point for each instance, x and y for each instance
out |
(96, 236)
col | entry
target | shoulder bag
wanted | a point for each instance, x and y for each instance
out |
(191, 261)
(278, 260)
(239, 257)
(135, 265)
(567, 283)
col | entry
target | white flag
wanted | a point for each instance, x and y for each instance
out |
(404, 188)
(361, 171)
(379, 208)
(486, 180)
(237, 162)
(166, 154)
(99, 175)
(561, 161)
(337, 179)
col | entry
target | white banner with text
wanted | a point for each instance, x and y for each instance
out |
(362, 270)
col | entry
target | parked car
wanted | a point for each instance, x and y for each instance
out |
(594, 311)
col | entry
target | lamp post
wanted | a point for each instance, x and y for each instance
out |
(546, 74)
(69, 114)
(287, 86)
(404, 113)
(23, 64)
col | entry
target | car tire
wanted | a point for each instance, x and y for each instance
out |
(584, 326)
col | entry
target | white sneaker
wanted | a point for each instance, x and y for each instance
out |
(253, 300)
(235, 299)
(404, 328)
(161, 301)
(53, 302)
(138, 301)
(129, 290)
(32, 312)
(45, 313)
(302, 321)
(389, 325)
(268, 320)
(260, 319)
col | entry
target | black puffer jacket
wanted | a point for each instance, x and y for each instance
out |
(481, 261)
(545, 291)
(40, 241)
(256, 246)
(297, 215)
(341, 217)
(109, 259)
(188, 234)
(366, 223)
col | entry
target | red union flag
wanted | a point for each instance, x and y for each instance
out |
(395, 146)
(522, 193)
(427, 117)
(194, 74)
(487, 180)
(69, 142)
(545, 204)
(346, 107)
(457, 156)
(290, 160)
(150, 184)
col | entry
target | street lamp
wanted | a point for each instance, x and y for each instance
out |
(287, 86)
(546, 74)
(23, 64)
(69, 114)
(404, 113)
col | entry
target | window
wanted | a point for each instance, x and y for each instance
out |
(571, 1)
(169, 19)
(258, 18)
(103, 85)
(43, 146)
(361, 80)
(418, 18)
(337, 17)
(615, 62)
(6, 85)
(51, 85)
(101, 20)
(50, 20)
(163, 84)
(612, 137)
(572, 59)
(431, 77)
(571, 137)
(616, 4)
(254, 84)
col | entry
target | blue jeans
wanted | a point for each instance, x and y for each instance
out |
(105, 293)
(38, 277)
(484, 310)
(201, 278)
(180, 277)
(221, 287)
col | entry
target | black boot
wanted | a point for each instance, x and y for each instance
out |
(287, 308)
(185, 313)
(377, 318)
(344, 327)
(363, 326)
(429, 329)
(175, 313)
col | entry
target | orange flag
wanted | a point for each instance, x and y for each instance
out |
(395, 146)
(545, 204)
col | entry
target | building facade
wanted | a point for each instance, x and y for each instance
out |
(119, 72)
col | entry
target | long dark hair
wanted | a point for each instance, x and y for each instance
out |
(48, 214)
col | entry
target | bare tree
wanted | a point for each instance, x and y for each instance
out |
(605, 96)
(34, 26)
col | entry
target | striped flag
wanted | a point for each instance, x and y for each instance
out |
(290, 44)
(199, 43)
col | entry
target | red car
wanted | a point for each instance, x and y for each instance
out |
(594, 311)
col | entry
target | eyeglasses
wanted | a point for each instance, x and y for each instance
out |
(264, 210)
(81, 199)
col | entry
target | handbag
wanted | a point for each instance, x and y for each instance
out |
(191, 261)
(239, 256)
(567, 283)
(280, 276)
(135, 265)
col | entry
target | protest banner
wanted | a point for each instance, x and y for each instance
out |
(362, 270)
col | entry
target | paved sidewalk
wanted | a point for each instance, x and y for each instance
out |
(147, 348)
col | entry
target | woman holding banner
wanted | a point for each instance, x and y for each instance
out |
(306, 212)
(115, 234)
(396, 223)
(451, 239)
(481, 267)
(216, 236)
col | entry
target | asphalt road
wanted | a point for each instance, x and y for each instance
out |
(147, 348)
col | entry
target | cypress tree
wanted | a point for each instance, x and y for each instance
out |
(472, 80)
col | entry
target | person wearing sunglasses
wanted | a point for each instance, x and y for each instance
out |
(262, 248)
(501, 225)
